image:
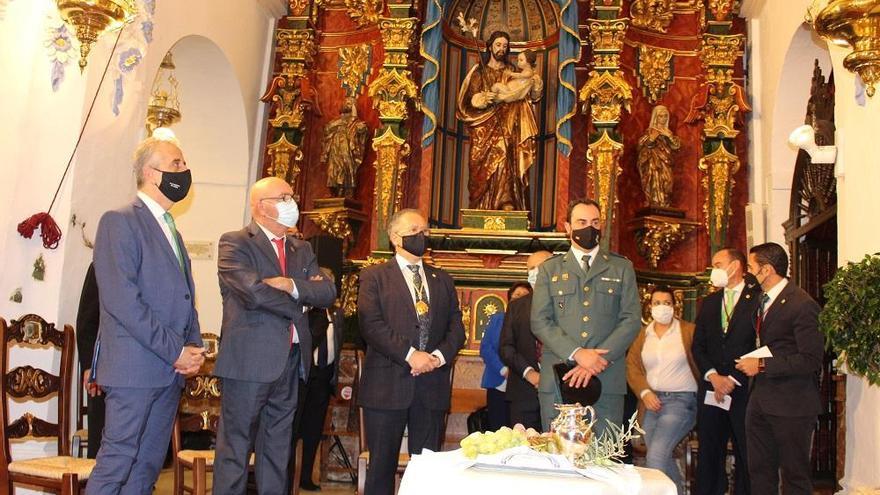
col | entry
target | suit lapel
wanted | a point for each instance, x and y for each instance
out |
(433, 284)
(739, 309)
(155, 232)
(401, 290)
(572, 265)
(777, 305)
(262, 243)
(289, 254)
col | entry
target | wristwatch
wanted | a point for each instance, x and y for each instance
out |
(761, 365)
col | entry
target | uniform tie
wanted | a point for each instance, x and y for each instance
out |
(169, 220)
(421, 306)
(586, 262)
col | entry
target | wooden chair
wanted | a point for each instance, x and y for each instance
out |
(363, 462)
(199, 411)
(62, 473)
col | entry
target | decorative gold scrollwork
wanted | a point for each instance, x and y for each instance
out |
(390, 92)
(284, 159)
(390, 151)
(349, 294)
(655, 71)
(494, 223)
(720, 50)
(655, 238)
(364, 12)
(721, 9)
(334, 223)
(604, 155)
(606, 94)
(203, 387)
(354, 67)
(720, 167)
(655, 15)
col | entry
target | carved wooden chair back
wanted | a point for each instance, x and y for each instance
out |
(26, 384)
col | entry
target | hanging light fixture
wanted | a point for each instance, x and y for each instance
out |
(91, 18)
(164, 107)
(854, 23)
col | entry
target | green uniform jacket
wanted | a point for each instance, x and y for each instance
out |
(597, 310)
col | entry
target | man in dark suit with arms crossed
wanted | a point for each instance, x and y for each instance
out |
(149, 335)
(785, 401)
(410, 319)
(266, 278)
(725, 330)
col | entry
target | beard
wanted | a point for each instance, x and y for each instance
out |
(500, 56)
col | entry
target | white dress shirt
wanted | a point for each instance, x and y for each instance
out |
(666, 361)
(159, 214)
(737, 291)
(403, 264)
(774, 292)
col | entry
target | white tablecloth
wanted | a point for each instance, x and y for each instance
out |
(446, 473)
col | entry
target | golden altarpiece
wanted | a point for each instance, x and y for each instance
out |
(638, 104)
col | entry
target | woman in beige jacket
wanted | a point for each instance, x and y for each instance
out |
(661, 372)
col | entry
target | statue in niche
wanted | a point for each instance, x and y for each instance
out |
(495, 101)
(655, 150)
(344, 143)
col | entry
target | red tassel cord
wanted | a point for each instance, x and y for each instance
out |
(49, 230)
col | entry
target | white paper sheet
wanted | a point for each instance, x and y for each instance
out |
(760, 352)
(724, 404)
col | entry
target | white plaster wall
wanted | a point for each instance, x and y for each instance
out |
(231, 39)
(782, 50)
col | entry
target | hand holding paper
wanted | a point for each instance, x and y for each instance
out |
(760, 352)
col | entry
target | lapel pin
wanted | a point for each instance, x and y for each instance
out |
(748, 296)
(434, 275)
(782, 301)
(605, 257)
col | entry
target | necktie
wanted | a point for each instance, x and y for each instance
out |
(169, 220)
(761, 311)
(727, 310)
(282, 262)
(421, 306)
(586, 262)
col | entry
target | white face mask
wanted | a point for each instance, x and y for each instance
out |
(533, 276)
(719, 277)
(662, 314)
(288, 213)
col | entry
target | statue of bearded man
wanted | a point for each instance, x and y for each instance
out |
(496, 102)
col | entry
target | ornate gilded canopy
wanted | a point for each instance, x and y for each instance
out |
(524, 20)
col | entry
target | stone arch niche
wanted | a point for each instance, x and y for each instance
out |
(532, 24)
(213, 133)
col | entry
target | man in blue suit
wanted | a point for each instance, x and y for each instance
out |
(149, 336)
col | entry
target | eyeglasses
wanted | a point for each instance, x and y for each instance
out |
(425, 231)
(283, 198)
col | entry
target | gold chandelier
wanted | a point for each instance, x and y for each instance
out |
(90, 18)
(855, 23)
(163, 109)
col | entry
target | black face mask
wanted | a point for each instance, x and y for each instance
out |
(587, 238)
(415, 244)
(175, 185)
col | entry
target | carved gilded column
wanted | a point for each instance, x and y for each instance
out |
(605, 96)
(718, 104)
(390, 91)
(294, 50)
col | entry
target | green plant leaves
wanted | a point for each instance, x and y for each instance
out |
(850, 319)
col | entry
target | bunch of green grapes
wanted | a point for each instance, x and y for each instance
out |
(492, 441)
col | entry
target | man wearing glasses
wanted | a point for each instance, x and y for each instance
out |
(266, 277)
(410, 319)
